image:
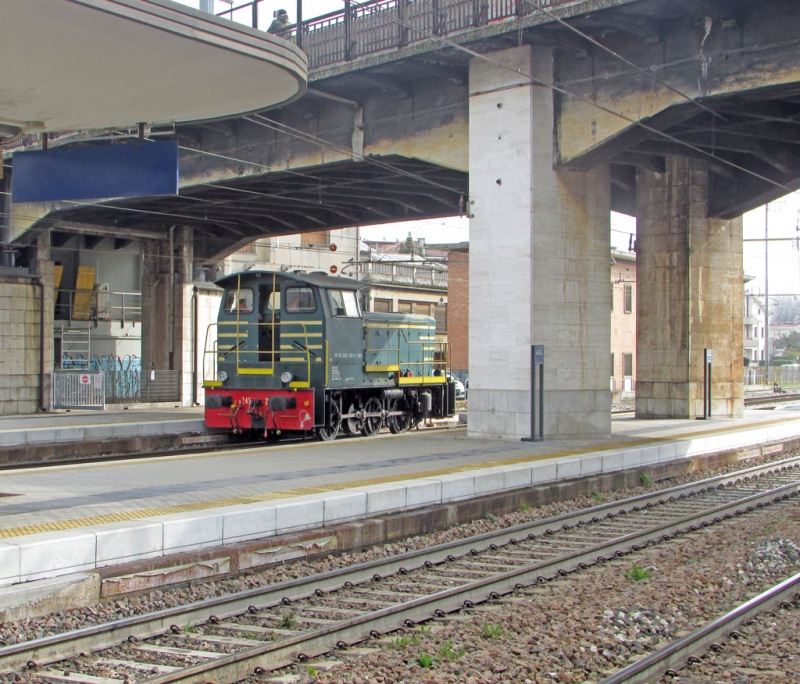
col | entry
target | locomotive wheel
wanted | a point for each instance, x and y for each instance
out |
(372, 424)
(398, 424)
(330, 431)
(352, 426)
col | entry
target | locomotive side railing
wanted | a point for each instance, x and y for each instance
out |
(210, 355)
(294, 346)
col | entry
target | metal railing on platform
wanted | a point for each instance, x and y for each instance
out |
(133, 386)
(98, 305)
(78, 389)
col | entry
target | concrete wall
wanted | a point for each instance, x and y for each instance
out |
(201, 306)
(20, 307)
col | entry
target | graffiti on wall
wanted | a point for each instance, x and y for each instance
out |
(123, 375)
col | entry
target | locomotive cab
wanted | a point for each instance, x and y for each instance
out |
(294, 352)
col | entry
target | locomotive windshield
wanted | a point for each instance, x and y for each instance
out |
(300, 300)
(239, 300)
(344, 303)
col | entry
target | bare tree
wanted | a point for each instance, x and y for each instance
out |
(784, 310)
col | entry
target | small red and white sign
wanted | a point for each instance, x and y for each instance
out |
(84, 379)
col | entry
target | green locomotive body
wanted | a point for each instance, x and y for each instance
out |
(294, 352)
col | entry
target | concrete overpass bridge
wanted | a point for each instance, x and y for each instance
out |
(534, 121)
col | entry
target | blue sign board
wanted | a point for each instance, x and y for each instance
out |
(137, 169)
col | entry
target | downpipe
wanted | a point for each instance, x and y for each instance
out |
(43, 406)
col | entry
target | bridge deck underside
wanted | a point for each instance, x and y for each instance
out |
(716, 80)
(229, 214)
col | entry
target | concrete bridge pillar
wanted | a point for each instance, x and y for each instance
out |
(539, 259)
(690, 296)
(166, 316)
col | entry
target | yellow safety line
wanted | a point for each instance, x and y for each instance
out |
(318, 489)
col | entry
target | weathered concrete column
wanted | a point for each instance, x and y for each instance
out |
(539, 260)
(166, 278)
(45, 270)
(689, 282)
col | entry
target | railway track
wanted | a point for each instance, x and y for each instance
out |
(766, 400)
(772, 399)
(674, 656)
(225, 639)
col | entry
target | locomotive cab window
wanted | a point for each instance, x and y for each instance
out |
(239, 300)
(299, 300)
(344, 303)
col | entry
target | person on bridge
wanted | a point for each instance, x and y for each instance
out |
(280, 22)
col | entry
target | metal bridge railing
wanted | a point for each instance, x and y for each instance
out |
(366, 28)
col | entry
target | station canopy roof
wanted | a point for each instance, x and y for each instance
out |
(94, 64)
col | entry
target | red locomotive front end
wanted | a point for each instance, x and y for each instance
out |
(272, 411)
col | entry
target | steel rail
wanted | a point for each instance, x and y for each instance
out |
(675, 655)
(279, 654)
(781, 398)
(58, 647)
(49, 649)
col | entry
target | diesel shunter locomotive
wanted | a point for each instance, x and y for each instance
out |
(294, 352)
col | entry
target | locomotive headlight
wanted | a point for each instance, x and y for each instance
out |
(286, 377)
(222, 376)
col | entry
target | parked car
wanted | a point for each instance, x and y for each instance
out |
(461, 392)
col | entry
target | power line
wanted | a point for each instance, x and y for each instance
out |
(559, 89)
(292, 132)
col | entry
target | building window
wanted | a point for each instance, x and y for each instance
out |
(440, 314)
(612, 365)
(422, 308)
(382, 305)
(627, 365)
(628, 298)
(405, 307)
(612, 296)
(405, 271)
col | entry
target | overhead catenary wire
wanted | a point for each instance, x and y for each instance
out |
(560, 89)
(649, 74)
(556, 87)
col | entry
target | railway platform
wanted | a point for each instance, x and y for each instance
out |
(70, 426)
(132, 524)
(67, 435)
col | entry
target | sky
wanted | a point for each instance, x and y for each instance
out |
(782, 260)
(782, 222)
